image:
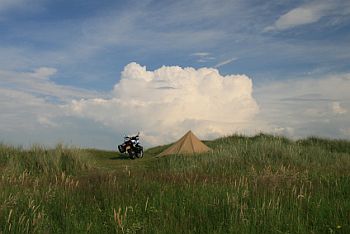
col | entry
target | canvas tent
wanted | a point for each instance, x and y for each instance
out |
(188, 144)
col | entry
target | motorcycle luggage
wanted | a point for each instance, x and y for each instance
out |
(121, 149)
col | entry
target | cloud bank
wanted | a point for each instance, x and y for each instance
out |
(303, 107)
(165, 103)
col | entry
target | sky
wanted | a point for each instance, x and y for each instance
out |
(85, 72)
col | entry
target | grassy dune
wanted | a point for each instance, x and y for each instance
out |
(260, 184)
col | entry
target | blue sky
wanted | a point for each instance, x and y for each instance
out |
(53, 53)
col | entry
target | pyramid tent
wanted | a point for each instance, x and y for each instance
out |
(188, 144)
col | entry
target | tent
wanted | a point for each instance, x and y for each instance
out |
(188, 144)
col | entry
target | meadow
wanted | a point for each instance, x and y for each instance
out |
(260, 184)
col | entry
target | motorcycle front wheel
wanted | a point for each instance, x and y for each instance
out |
(140, 154)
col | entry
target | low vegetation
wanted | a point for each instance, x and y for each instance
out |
(260, 184)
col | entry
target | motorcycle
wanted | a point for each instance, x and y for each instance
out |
(132, 147)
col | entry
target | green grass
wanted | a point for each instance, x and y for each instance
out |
(260, 184)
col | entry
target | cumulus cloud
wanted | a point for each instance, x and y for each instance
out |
(165, 103)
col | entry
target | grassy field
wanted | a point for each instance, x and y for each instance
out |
(260, 184)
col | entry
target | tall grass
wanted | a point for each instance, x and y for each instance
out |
(29, 179)
(260, 184)
(39, 160)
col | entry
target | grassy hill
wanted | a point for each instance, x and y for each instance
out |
(260, 184)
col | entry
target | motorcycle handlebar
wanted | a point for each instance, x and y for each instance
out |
(130, 137)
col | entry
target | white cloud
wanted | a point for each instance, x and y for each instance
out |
(165, 103)
(30, 100)
(26, 119)
(38, 82)
(21, 111)
(201, 54)
(203, 57)
(307, 14)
